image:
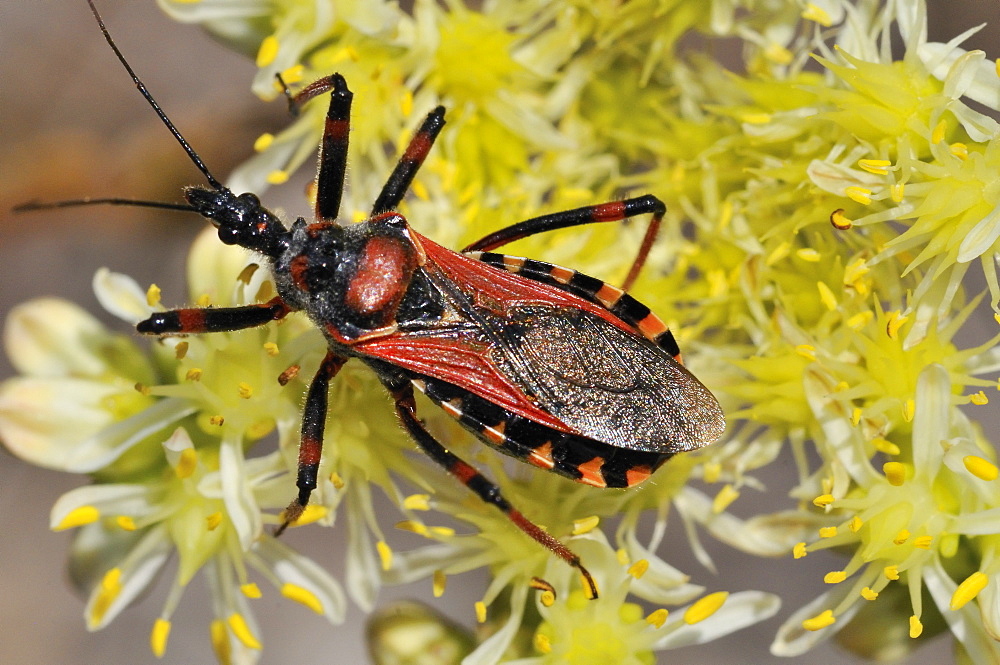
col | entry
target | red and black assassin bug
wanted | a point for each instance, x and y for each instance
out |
(543, 363)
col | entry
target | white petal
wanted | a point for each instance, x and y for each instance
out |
(292, 567)
(931, 421)
(110, 500)
(741, 609)
(794, 640)
(137, 572)
(213, 268)
(981, 238)
(965, 623)
(241, 507)
(120, 295)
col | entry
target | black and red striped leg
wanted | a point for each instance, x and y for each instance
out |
(477, 482)
(614, 211)
(333, 149)
(311, 443)
(401, 177)
(213, 319)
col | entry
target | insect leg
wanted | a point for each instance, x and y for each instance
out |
(477, 482)
(311, 443)
(333, 149)
(605, 212)
(213, 319)
(401, 177)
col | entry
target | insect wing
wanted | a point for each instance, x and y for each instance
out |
(607, 384)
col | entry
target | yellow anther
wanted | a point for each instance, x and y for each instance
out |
(384, 554)
(887, 447)
(876, 166)
(657, 617)
(807, 351)
(440, 581)
(142, 389)
(856, 414)
(979, 399)
(204, 300)
(828, 532)
(413, 527)
(855, 524)
(896, 191)
(861, 195)
(187, 462)
(420, 191)
(778, 54)
(840, 221)
(111, 586)
(480, 611)
(639, 568)
(277, 177)
(960, 150)
(241, 630)
(417, 502)
(213, 520)
(153, 295)
(542, 643)
(916, 628)
(980, 468)
(263, 142)
(302, 596)
(938, 134)
(817, 15)
(312, 513)
(268, 51)
(271, 349)
(217, 420)
(895, 473)
(711, 471)
(78, 517)
(868, 594)
(809, 254)
(968, 589)
(909, 409)
(823, 500)
(827, 296)
(891, 572)
(245, 390)
(293, 74)
(406, 103)
(585, 525)
(193, 374)
(125, 523)
(705, 607)
(860, 320)
(251, 590)
(181, 350)
(724, 498)
(220, 641)
(158, 637)
(821, 620)
(901, 537)
(835, 577)
(923, 542)
(799, 551)
(338, 482)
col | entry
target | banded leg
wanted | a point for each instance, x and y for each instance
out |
(614, 211)
(311, 443)
(477, 482)
(401, 177)
(213, 319)
(333, 150)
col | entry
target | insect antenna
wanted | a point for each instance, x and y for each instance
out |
(152, 102)
(72, 203)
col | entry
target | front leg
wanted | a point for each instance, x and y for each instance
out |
(214, 319)
(311, 444)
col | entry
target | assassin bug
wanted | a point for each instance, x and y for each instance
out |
(543, 363)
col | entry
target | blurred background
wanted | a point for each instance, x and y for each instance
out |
(72, 125)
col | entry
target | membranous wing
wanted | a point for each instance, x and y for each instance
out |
(603, 382)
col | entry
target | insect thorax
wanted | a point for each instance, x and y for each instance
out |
(354, 279)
